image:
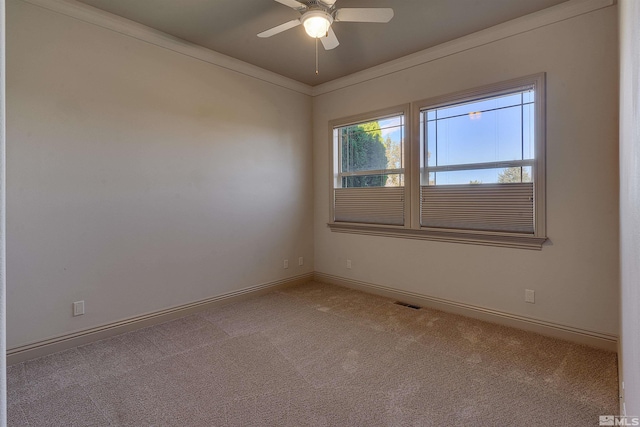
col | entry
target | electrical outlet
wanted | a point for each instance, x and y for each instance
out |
(349, 264)
(300, 261)
(530, 296)
(286, 263)
(78, 308)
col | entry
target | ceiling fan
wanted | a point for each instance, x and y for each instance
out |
(318, 15)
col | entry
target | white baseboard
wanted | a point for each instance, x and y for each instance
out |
(64, 342)
(568, 333)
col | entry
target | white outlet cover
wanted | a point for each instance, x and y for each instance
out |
(530, 296)
(78, 308)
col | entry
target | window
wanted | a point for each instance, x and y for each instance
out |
(369, 172)
(472, 170)
(477, 163)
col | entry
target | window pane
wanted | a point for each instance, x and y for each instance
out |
(515, 174)
(495, 129)
(382, 180)
(471, 108)
(480, 137)
(362, 149)
(431, 180)
(431, 143)
(392, 131)
(528, 127)
(481, 176)
(374, 145)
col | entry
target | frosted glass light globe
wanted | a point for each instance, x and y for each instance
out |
(316, 23)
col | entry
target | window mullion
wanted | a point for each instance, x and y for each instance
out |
(474, 166)
(373, 172)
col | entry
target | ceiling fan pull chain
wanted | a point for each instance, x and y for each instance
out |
(316, 56)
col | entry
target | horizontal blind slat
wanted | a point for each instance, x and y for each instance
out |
(490, 207)
(372, 205)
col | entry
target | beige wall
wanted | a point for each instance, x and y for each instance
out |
(575, 276)
(630, 200)
(140, 178)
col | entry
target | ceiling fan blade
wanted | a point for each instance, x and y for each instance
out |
(293, 4)
(364, 14)
(331, 41)
(328, 3)
(280, 28)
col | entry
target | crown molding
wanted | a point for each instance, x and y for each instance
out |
(109, 21)
(561, 12)
(95, 16)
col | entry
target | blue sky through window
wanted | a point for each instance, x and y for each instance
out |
(489, 130)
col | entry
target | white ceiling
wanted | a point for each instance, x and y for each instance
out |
(230, 27)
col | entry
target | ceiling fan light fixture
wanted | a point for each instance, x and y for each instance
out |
(316, 23)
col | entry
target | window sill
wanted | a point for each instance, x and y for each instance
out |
(508, 240)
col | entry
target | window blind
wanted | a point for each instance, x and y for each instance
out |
(488, 207)
(372, 205)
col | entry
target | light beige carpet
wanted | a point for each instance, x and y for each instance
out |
(317, 355)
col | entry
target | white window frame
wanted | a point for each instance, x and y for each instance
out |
(335, 160)
(412, 174)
